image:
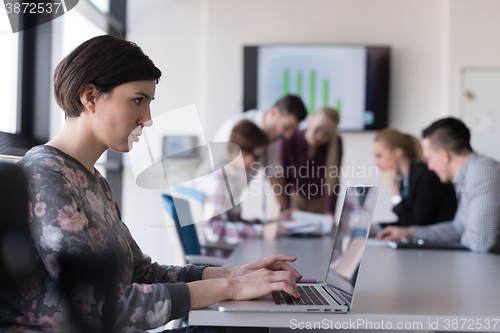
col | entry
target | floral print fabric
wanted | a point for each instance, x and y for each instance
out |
(73, 212)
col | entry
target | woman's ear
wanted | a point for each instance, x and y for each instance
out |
(399, 153)
(88, 96)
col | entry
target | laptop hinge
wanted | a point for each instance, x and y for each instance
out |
(338, 298)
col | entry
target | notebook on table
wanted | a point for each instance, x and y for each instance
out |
(336, 293)
(416, 243)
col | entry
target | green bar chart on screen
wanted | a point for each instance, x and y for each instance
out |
(312, 79)
(338, 106)
(322, 76)
(299, 84)
(318, 91)
(285, 82)
(325, 93)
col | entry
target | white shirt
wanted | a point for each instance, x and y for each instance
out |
(224, 132)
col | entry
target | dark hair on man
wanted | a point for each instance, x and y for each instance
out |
(450, 134)
(293, 105)
(106, 62)
(248, 136)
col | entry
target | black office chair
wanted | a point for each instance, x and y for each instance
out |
(16, 251)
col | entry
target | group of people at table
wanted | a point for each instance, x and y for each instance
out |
(440, 190)
(105, 87)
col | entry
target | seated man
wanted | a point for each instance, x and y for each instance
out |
(229, 227)
(476, 224)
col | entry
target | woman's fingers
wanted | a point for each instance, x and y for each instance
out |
(283, 286)
(268, 261)
(282, 280)
(283, 266)
(278, 281)
(263, 282)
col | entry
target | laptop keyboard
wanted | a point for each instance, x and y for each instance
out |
(308, 296)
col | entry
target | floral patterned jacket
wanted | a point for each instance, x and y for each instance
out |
(73, 212)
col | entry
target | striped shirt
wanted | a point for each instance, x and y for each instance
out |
(476, 224)
(224, 223)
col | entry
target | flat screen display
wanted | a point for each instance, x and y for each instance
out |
(350, 240)
(353, 79)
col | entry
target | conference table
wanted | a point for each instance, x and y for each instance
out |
(405, 289)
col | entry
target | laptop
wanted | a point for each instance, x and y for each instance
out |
(336, 293)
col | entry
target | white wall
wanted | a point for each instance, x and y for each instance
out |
(170, 33)
(474, 41)
(414, 30)
(198, 45)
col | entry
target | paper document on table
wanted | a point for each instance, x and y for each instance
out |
(304, 222)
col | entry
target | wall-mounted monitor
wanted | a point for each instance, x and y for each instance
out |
(354, 79)
(180, 145)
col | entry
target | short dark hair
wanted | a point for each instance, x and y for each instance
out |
(291, 104)
(106, 62)
(450, 134)
(248, 136)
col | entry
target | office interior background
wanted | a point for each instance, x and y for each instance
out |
(198, 45)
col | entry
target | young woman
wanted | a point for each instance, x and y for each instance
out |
(105, 87)
(417, 195)
(228, 226)
(311, 164)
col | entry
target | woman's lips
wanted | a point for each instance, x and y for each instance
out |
(134, 137)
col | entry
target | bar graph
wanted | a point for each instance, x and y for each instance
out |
(322, 76)
(311, 98)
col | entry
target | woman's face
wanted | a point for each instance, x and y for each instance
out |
(320, 130)
(122, 113)
(255, 156)
(385, 158)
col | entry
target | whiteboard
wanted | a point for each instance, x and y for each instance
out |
(480, 100)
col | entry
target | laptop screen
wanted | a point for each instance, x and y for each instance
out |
(350, 240)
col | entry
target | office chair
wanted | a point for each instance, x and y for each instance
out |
(196, 199)
(187, 234)
(16, 251)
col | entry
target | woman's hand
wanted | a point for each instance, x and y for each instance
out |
(255, 284)
(298, 202)
(245, 282)
(273, 230)
(395, 233)
(285, 215)
(276, 262)
(262, 282)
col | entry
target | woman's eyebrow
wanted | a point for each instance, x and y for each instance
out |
(145, 95)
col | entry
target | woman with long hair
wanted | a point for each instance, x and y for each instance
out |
(311, 161)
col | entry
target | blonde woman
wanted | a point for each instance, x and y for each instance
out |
(311, 164)
(417, 195)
